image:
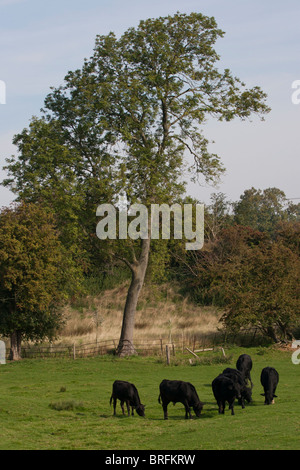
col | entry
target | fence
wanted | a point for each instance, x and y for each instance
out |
(244, 338)
(73, 351)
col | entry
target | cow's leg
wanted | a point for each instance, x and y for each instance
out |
(165, 408)
(114, 405)
(128, 407)
(231, 406)
(122, 406)
(221, 404)
(187, 410)
(250, 380)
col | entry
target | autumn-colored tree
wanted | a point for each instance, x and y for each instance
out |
(262, 290)
(36, 275)
(254, 278)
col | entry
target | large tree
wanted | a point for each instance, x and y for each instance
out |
(36, 275)
(132, 116)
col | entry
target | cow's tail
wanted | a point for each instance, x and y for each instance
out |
(159, 399)
(110, 400)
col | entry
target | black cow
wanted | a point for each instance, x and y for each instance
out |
(269, 379)
(179, 391)
(226, 390)
(127, 392)
(237, 376)
(244, 365)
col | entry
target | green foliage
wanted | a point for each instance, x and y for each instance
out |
(36, 272)
(159, 261)
(263, 210)
(129, 120)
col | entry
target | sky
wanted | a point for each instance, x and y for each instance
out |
(40, 41)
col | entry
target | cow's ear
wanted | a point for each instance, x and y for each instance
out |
(262, 394)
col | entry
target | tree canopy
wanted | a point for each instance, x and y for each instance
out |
(36, 275)
(130, 120)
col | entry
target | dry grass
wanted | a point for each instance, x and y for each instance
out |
(161, 312)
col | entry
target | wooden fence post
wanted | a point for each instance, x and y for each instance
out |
(168, 354)
(74, 351)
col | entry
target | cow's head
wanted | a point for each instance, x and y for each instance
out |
(198, 408)
(269, 398)
(140, 409)
(247, 394)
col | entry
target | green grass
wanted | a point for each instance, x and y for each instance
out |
(64, 404)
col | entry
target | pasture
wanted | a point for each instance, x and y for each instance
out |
(64, 404)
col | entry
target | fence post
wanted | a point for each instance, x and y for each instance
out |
(168, 354)
(74, 351)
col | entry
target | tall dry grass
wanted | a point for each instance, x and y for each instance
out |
(161, 313)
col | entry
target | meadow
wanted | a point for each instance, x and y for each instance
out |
(62, 404)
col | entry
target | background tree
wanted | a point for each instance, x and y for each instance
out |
(262, 290)
(217, 216)
(263, 210)
(36, 274)
(143, 98)
(252, 276)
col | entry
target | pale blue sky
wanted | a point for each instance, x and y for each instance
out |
(40, 41)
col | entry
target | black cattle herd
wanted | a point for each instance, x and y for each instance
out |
(230, 385)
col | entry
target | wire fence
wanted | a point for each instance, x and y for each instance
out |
(198, 341)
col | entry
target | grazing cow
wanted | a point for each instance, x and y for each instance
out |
(225, 390)
(269, 379)
(244, 365)
(179, 391)
(127, 392)
(236, 376)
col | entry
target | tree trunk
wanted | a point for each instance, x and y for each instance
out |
(15, 345)
(271, 332)
(138, 270)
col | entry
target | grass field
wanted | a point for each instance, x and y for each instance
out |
(64, 404)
